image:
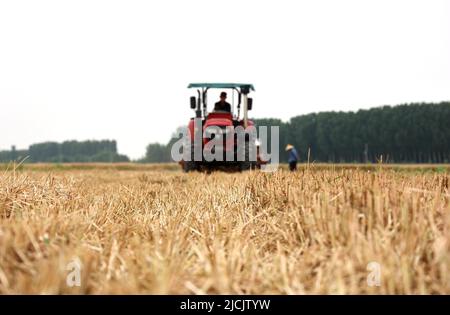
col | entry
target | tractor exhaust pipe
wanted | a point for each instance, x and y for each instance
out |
(245, 105)
(198, 111)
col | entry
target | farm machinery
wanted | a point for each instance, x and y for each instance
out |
(215, 131)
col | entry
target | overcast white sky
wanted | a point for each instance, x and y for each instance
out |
(119, 69)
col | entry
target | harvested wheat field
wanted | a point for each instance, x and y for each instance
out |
(160, 231)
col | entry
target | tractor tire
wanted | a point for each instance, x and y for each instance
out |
(190, 166)
(247, 164)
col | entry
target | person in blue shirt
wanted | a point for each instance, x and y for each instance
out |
(292, 158)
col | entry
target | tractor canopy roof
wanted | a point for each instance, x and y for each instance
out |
(222, 85)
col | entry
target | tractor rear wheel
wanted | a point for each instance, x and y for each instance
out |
(189, 166)
(247, 164)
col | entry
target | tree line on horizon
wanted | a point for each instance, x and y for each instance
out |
(409, 133)
(66, 152)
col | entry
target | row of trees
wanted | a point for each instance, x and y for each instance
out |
(410, 133)
(414, 133)
(68, 151)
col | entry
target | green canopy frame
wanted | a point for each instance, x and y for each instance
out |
(222, 85)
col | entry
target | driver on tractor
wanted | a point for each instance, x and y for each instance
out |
(222, 105)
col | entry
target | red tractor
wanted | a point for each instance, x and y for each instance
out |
(220, 124)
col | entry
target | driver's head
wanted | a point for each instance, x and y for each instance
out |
(223, 96)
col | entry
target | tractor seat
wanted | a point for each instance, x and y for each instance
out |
(220, 114)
